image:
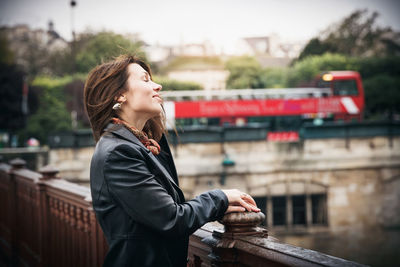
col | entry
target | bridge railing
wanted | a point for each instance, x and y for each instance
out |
(46, 221)
(251, 132)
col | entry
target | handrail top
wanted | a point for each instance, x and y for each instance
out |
(27, 174)
(70, 187)
(284, 253)
(288, 250)
(5, 167)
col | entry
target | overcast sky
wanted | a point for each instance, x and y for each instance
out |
(173, 21)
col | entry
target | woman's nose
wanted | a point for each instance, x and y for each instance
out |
(157, 87)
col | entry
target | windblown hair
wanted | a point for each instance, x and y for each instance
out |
(105, 83)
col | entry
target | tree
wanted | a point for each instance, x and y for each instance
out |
(316, 47)
(192, 63)
(355, 35)
(175, 85)
(52, 114)
(36, 56)
(382, 96)
(6, 54)
(303, 71)
(381, 84)
(273, 77)
(11, 82)
(74, 102)
(94, 49)
(244, 72)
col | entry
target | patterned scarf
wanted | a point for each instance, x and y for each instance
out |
(149, 143)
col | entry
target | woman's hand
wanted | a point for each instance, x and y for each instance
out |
(239, 201)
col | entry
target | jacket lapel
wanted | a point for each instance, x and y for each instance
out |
(165, 147)
(127, 135)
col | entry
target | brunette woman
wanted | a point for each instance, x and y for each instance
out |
(134, 184)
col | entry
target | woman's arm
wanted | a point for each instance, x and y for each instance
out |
(141, 196)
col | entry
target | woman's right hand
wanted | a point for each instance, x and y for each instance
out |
(240, 201)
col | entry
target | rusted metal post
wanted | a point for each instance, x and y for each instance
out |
(48, 172)
(243, 223)
(17, 163)
(235, 225)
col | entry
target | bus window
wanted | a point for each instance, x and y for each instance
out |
(345, 87)
(323, 84)
(287, 123)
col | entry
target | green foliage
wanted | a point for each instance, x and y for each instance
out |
(245, 72)
(305, 70)
(381, 79)
(273, 77)
(174, 85)
(316, 47)
(102, 47)
(358, 44)
(369, 67)
(61, 62)
(355, 35)
(6, 55)
(193, 63)
(11, 84)
(382, 96)
(52, 114)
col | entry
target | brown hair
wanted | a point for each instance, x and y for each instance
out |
(103, 86)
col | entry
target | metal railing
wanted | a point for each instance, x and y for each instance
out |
(255, 132)
(46, 221)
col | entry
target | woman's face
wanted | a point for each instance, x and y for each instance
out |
(142, 97)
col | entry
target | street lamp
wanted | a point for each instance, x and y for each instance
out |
(72, 4)
(226, 162)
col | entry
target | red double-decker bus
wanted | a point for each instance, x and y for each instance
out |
(336, 95)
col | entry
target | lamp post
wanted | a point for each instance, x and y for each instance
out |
(72, 4)
(73, 43)
(226, 162)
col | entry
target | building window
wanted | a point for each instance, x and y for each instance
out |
(299, 209)
(294, 204)
(319, 212)
(279, 210)
(262, 205)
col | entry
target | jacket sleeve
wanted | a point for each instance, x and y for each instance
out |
(141, 196)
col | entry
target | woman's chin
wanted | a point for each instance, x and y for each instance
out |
(157, 112)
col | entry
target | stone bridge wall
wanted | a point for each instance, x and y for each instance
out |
(360, 178)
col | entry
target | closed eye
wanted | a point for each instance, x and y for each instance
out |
(146, 78)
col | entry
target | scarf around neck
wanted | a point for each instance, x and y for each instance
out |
(149, 143)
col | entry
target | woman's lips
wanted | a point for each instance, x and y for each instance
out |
(157, 96)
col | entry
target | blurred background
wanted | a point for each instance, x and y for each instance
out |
(295, 102)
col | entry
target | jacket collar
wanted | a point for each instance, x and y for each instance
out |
(124, 133)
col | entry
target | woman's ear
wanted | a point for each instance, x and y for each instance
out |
(121, 99)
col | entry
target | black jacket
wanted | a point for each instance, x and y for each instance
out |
(139, 205)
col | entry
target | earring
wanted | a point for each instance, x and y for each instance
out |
(116, 106)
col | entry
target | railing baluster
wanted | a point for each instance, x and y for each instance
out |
(51, 223)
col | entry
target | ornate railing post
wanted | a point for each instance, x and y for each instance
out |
(16, 164)
(235, 225)
(48, 172)
(243, 223)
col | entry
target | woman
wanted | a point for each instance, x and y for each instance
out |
(133, 180)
